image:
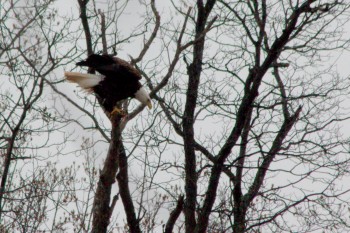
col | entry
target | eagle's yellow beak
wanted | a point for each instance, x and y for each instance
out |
(149, 104)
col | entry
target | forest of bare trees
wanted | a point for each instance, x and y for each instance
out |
(249, 130)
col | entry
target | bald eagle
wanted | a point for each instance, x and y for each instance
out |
(117, 80)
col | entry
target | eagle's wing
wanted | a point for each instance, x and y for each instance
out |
(118, 67)
(109, 65)
(121, 64)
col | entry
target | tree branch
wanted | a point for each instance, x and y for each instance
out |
(84, 21)
(101, 210)
(123, 182)
(152, 37)
(275, 148)
(103, 32)
(174, 215)
(250, 93)
(194, 72)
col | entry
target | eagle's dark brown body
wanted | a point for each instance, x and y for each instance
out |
(118, 81)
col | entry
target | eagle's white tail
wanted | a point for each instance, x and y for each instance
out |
(86, 81)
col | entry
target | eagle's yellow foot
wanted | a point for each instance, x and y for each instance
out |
(118, 111)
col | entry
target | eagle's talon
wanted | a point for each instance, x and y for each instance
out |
(118, 111)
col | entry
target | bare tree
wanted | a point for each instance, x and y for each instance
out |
(245, 135)
(272, 117)
(34, 189)
(262, 78)
(18, 102)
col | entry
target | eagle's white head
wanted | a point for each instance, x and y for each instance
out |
(142, 96)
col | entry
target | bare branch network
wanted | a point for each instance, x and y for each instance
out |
(248, 132)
